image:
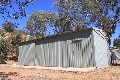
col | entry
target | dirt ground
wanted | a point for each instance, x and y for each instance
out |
(8, 72)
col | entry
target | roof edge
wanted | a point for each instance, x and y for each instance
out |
(51, 36)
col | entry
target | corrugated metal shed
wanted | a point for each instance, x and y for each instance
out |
(70, 49)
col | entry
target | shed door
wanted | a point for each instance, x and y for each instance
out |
(76, 53)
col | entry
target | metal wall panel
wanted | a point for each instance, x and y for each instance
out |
(74, 50)
(20, 54)
(79, 49)
(26, 54)
(101, 48)
(117, 52)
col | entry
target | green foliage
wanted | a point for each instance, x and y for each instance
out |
(9, 26)
(106, 14)
(15, 44)
(4, 48)
(77, 14)
(38, 22)
(70, 15)
(16, 40)
(14, 9)
(116, 43)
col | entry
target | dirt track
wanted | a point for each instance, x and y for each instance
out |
(17, 73)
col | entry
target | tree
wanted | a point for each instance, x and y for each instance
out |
(9, 26)
(70, 16)
(38, 22)
(116, 42)
(4, 48)
(14, 9)
(104, 14)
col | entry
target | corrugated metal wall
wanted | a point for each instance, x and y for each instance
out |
(101, 48)
(117, 52)
(78, 49)
(73, 50)
(26, 54)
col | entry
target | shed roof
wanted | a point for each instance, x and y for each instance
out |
(52, 36)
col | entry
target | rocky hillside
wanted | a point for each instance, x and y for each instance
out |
(9, 36)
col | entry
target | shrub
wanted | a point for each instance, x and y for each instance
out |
(116, 43)
(15, 43)
(4, 48)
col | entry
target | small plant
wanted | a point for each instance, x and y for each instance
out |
(4, 48)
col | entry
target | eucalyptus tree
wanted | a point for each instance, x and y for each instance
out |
(38, 22)
(14, 9)
(9, 26)
(70, 16)
(104, 14)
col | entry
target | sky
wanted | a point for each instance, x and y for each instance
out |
(46, 5)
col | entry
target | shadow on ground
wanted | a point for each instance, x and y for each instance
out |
(115, 64)
(5, 76)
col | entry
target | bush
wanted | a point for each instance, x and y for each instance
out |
(116, 43)
(15, 44)
(4, 48)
